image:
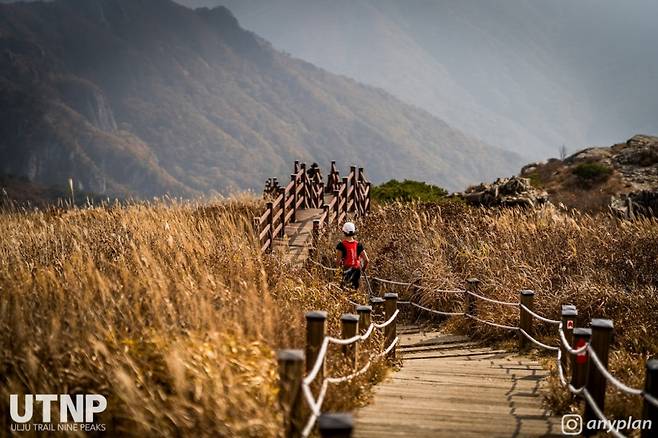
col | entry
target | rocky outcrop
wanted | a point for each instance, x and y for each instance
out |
(622, 178)
(636, 204)
(505, 192)
(88, 100)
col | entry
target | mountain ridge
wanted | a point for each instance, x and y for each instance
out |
(151, 97)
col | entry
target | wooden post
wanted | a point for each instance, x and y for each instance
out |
(315, 237)
(336, 206)
(525, 318)
(305, 189)
(291, 373)
(362, 200)
(650, 412)
(354, 198)
(369, 198)
(315, 332)
(327, 213)
(596, 381)
(473, 285)
(348, 323)
(331, 183)
(320, 193)
(256, 222)
(364, 313)
(282, 192)
(296, 168)
(293, 179)
(581, 336)
(270, 219)
(390, 331)
(338, 425)
(377, 304)
(569, 315)
(346, 209)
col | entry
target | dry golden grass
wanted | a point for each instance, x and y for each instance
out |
(166, 308)
(606, 267)
(169, 310)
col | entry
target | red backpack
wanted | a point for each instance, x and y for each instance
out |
(351, 259)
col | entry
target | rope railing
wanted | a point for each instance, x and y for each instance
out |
(389, 321)
(567, 346)
(564, 345)
(599, 413)
(538, 316)
(427, 309)
(536, 342)
(491, 300)
(492, 324)
(316, 404)
(586, 350)
(612, 379)
(416, 286)
(317, 353)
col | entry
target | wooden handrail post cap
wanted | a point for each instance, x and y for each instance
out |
(472, 281)
(336, 425)
(377, 304)
(315, 332)
(390, 296)
(364, 313)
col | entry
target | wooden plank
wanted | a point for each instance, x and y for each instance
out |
(408, 349)
(450, 386)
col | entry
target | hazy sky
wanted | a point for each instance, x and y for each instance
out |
(526, 75)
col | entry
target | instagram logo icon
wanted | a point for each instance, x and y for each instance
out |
(572, 424)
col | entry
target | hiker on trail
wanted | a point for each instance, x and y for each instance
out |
(351, 257)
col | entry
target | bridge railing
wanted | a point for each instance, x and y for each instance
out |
(300, 405)
(588, 347)
(306, 189)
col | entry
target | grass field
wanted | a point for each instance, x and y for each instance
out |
(166, 308)
(169, 310)
(606, 267)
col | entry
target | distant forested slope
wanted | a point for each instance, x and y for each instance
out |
(147, 97)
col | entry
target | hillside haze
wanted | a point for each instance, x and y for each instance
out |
(528, 76)
(147, 97)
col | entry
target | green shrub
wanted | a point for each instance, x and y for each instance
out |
(407, 191)
(535, 179)
(592, 171)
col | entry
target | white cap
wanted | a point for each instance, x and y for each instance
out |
(349, 228)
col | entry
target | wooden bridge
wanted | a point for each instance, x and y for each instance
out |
(448, 385)
(298, 212)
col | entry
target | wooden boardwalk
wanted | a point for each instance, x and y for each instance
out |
(294, 248)
(450, 386)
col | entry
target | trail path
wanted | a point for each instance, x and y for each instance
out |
(453, 387)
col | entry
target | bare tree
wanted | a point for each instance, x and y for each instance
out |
(563, 152)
